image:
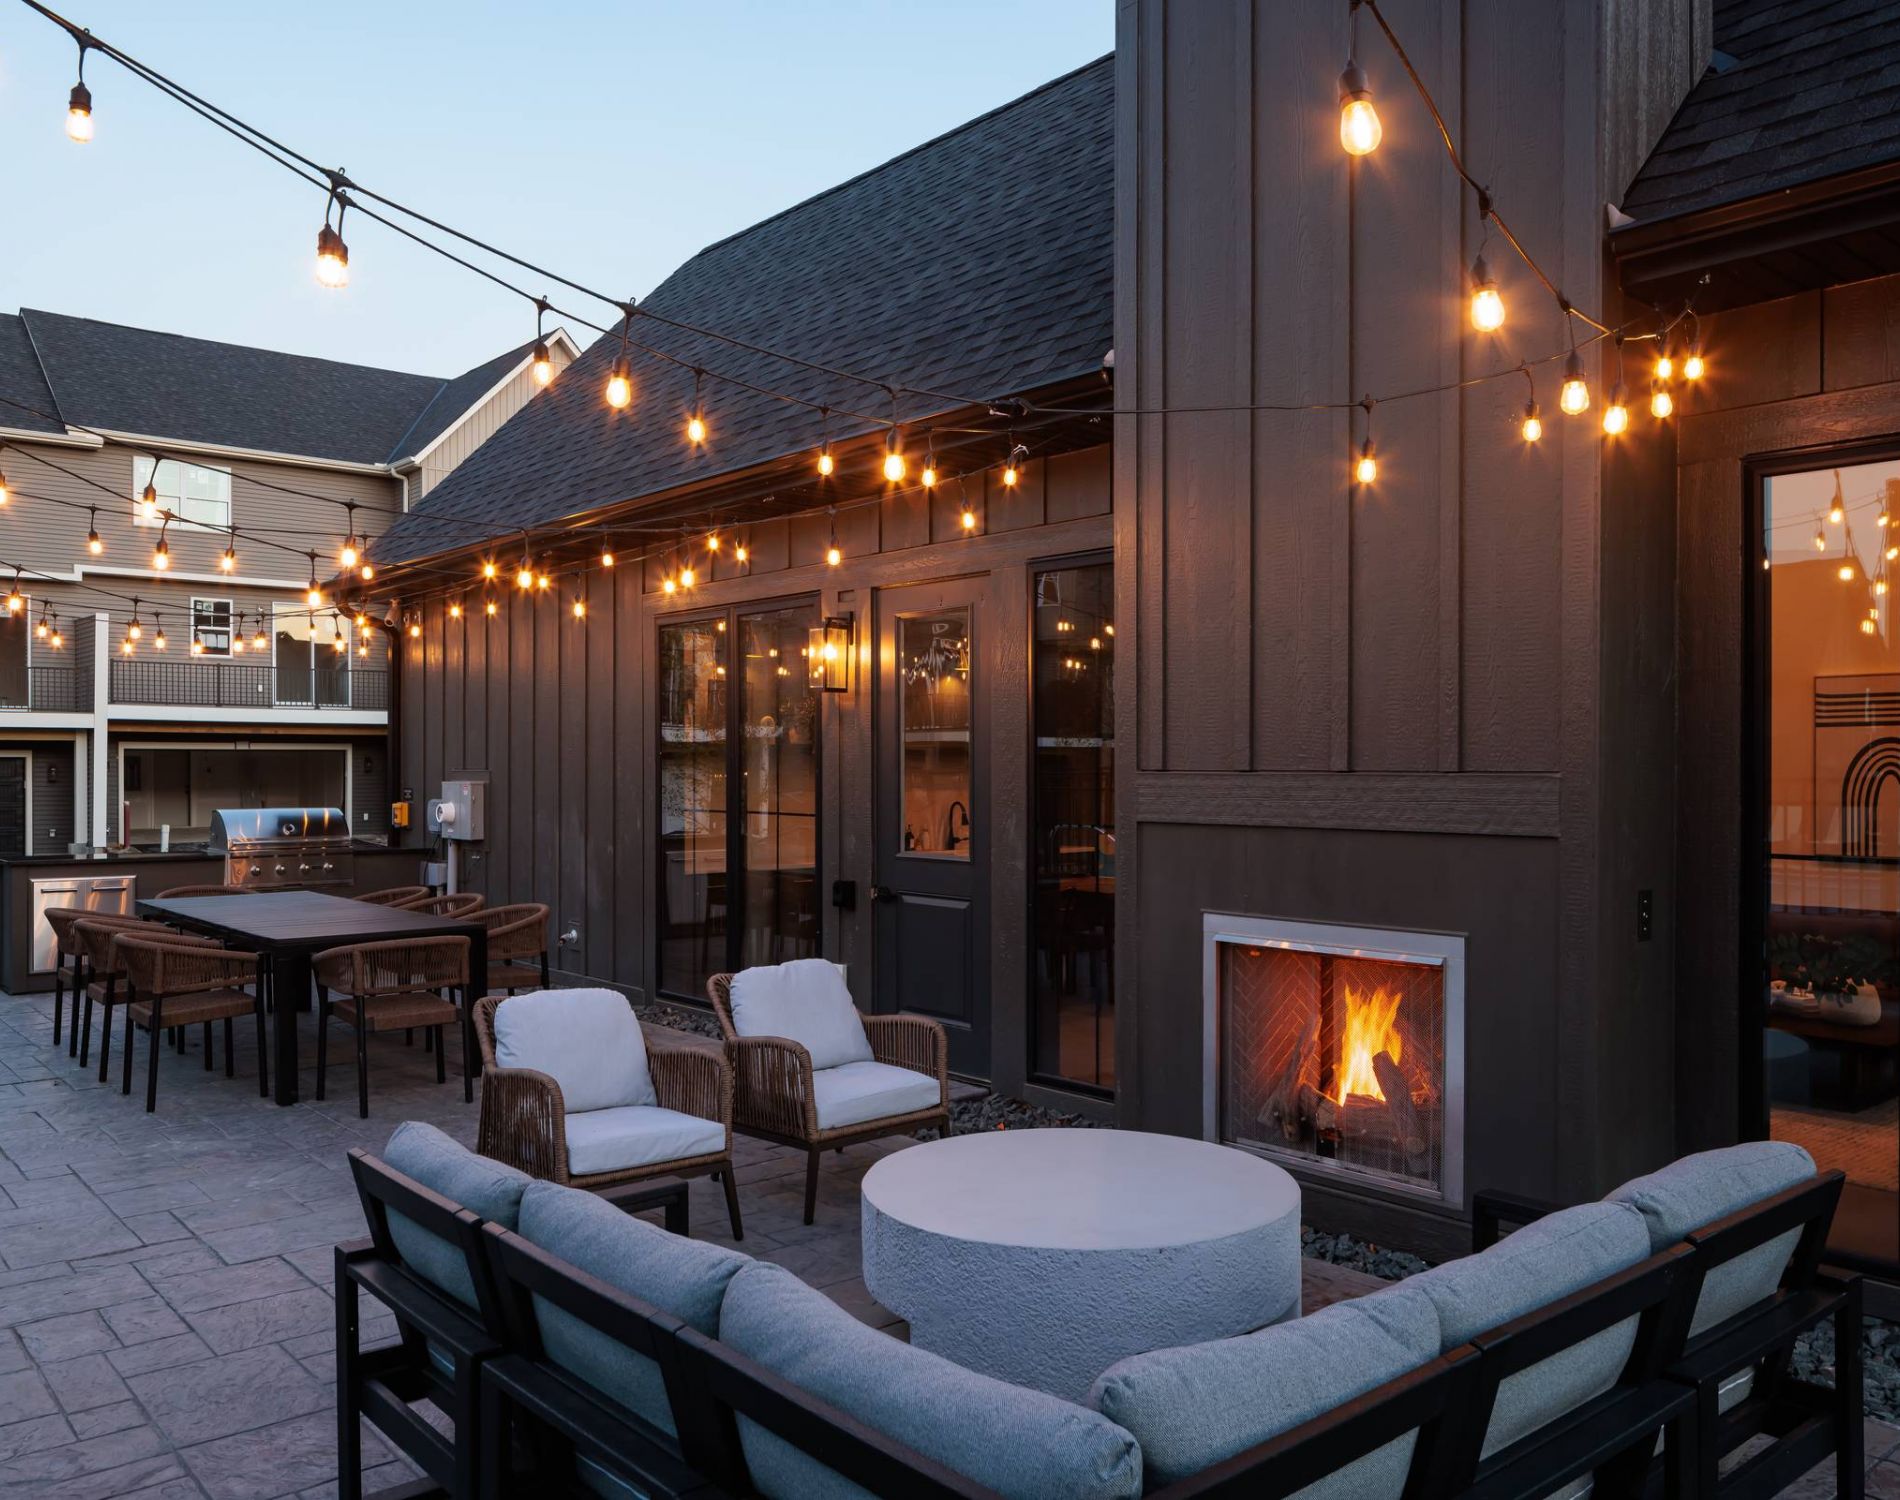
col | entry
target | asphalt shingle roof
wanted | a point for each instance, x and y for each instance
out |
(167, 386)
(977, 265)
(1801, 90)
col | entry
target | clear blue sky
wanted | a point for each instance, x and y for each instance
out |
(610, 140)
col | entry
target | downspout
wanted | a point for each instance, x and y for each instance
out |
(392, 731)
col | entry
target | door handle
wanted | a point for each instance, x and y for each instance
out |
(883, 893)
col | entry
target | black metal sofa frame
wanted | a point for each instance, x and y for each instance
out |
(534, 1421)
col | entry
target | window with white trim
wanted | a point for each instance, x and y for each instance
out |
(194, 493)
(211, 626)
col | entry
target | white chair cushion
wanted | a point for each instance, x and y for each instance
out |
(588, 1041)
(637, 1135)
(806, 1002)
(854, 1092)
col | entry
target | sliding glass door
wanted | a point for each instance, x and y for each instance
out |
(738, 794)
(1826, 919)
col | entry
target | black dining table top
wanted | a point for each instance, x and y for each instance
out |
(303, 919)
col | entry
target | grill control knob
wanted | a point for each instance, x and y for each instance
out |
(328, 866)
(281, 870)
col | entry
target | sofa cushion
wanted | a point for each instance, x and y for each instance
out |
(806, 1001)
(488, 1189)
(1527, 1270)
(1017, 1441)
(686, 1278)
(854, 1092)
(588, 1041)
(1197, 1405)
(1697, 1190)
(637, 1135)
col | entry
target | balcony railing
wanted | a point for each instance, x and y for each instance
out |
(48, 689)
(217, 684)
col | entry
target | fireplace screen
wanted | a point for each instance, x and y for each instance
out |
(1343, 1055)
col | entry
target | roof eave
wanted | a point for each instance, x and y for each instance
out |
(1670, 257)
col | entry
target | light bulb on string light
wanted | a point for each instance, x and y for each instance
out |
(667, 585)
(158, 636)
(967, 513)
(55, 639)
(1880, 587)
(606, 557)
(16, 601)
(455, 609)
(148, 497)
(362, 647)
(1666, 364)
(197, 646)
(1616, 416)
(1574, 398)
(832, 554)
(1845, 572)
(927, 475)
(313, 592)
(42, 628)
(1891, 553)
(79, 102)
(826, 463)
(126, 647)
(349, 552)
(1694, 367)
(5, 493)
(95, 544)
(1837, 509)
(620, 385)
(333, 256)
(1532, 427)
(367, 571)
(1883, 520)
(580, 607)
(894, 465)
(1012, 469)
(1365, 469)
(1869, 626)
(541, 582)
(1661, 403)
(415, 629)
(490, 607)
(688, 577)
(1359, 129)
(227, 562)
(696, 419)
(1487, 302)
(260, 641)
(524, 574)
(489, 570)
(742, 554)
(1820, 540)
(135, 630)
(712, 541)
(161, 554)
(541, 362)
(237, 634)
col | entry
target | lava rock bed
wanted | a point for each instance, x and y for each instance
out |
(1880, 1359)
(678, 1017)
(1359, 1255)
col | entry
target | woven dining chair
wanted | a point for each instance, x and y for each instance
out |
(169, 984)
(178, 892)
(517, 946)
(67, 968)
(103, 979)
(459, 904)
(393, 986)
(397, 895)
(774, 1098)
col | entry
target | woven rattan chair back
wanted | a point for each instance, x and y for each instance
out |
(178, 892)
(517, 931)
(396, 895)
(719, 991)
(458, 905)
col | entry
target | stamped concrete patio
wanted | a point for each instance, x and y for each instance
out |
(165, 1303)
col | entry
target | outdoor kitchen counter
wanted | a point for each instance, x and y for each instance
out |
(377, 867)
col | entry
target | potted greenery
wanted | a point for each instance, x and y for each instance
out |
(1835, 979)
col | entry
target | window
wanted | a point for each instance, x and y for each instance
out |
(211, 626)
(310, 666)
(16, 639)
(1072, 849)
(738, 787)
(193, 493)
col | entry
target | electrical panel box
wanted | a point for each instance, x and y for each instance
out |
(462, 812)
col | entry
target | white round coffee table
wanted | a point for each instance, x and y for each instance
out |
(1043, 1256)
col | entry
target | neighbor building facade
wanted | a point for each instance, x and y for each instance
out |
(136, 700)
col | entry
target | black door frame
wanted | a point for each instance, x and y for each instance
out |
(735, 776)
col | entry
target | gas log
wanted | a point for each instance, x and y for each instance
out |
(1282, 1106)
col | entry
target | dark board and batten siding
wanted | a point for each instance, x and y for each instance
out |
(1343, 698)
(558, 715)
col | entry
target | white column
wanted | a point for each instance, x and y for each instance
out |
(101, 825)
(82, 793)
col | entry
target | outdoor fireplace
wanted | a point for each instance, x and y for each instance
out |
(1338, 1050)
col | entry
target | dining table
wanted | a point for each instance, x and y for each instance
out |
(287, 928)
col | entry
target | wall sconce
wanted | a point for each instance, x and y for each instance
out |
(829, 652)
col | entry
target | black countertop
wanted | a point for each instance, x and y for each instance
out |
(153, 857)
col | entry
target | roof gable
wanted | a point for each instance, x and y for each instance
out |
(978, 264)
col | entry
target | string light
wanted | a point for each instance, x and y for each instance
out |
(198, 646)
(415, 629)
(158, 637)
(696, 419)
(228, 562)
(832, 555)
(237, 635)
(5, 493)
(367, 571)
(1666, 364)
(162, 553)
(540, 363)
(95, 544)
(333, 256)
(260, 641)
(135, 631)
(1868, 626)
(667, 585)
(55, 639)
(826, 463)
(490, 607)
(79, 102)
(16, 601)
(488, 568)
(1487, 302)
(1012, 471)
(524, 575)
(1694, 367)
(580, 608)
(1616, 416)
(347, 555)
(313, 592)
(1845, 572)
(541, 581)
(1366, 468)
(455, 609)
(148, 497)
(1575, 396)
(712, 541)
(688, 577)
(742, 553)
(362, 647)
(1661, 403)
(969, 515)
(606, 557)
(894, 468)
(620, 385)
(1359, 129)
(1820, 540)
(1837, 512)
(928, 475)
(1533, 428)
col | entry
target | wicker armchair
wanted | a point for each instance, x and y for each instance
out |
(524, 1116)
(68, 965)
(773, 1097)
(517, 946)
(397, 895)
(173, 984)
(458, 905)
(179, 891)
(392, 986)
(102, 975)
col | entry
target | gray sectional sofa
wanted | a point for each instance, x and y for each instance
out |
(1594, 1300)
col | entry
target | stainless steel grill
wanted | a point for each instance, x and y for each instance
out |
(275, 848)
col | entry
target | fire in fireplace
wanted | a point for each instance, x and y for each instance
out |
(1338, 1049)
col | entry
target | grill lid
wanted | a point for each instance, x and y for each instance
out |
(247, 827)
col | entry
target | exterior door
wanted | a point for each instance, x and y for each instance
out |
(12, 804)
(932, 912)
